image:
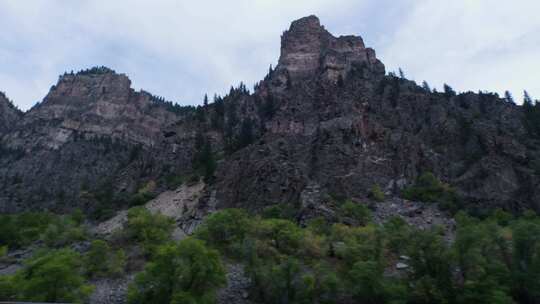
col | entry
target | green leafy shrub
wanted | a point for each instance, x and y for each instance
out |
(366, 282)
(64, 230)
(280, 282)
(356, 211)
(526, 259)
(78, 217)
(280, 211)
(376, 193)
(397, 234)
(144, 194)
(352, 244)
(282, 235)
(431, 190)
(19, 230)
(186, 272)
(225, 228)
(431, 264)
(101, 261)
(8, 290)
(494, 260)
(426, 189)
(319, 226)
(150, 230)
(484, 274)
(3, 251)
(502, 217)
(53, 276)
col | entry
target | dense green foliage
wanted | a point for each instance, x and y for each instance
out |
(101, 261)
(49, 276)
(532, 114)
(357, 212)
(186, 272)
(22, 229)
(495, 260)
(204, 162)
(150, 230)
(18, 230)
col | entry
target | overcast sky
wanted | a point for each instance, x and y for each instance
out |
(182, 49)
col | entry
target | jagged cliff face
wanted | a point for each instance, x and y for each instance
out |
(9, 115)
(327, 123)
(92, 105)
(337, 138)
(307, 49)
(91, 136)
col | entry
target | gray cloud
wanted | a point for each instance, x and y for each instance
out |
(183, 49)
(470, 45)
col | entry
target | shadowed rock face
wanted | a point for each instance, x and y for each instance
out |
(9, 115)
(327, 123)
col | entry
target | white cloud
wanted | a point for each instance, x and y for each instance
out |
(179, 49)
(182, 49)
(471, 45)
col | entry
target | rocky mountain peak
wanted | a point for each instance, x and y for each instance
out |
(92, 103)
(90, 85)
(308, 49)
(311, 22)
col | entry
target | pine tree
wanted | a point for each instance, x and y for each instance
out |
(401, 74)
(204, 160)
(246, 134)
(508, 97)
(268, 108)
(448, 91)
(200, 114)
(218, 115)
(270, 72)
(425, 86)
(527, 100)
(532, 114)
(208, 161)
(205, 100)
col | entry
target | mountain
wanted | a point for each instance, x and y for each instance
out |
(326, 124)
(342, 126)
(91, 136)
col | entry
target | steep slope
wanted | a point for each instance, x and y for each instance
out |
(9, 115)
